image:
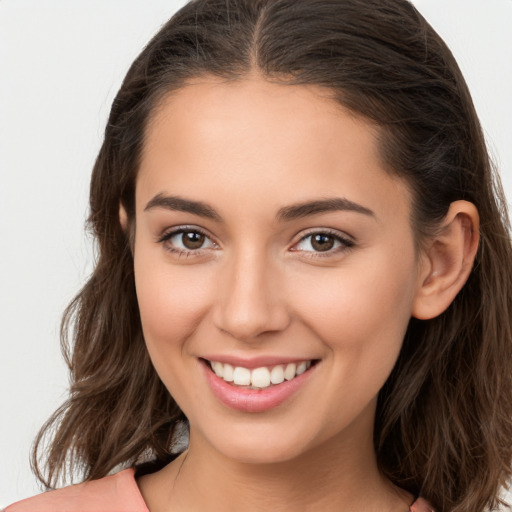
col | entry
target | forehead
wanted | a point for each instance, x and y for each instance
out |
(256, 138)
(209, 94)
(211, 105)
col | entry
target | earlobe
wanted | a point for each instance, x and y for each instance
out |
(448, 261)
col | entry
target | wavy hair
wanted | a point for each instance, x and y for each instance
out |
(443, 427)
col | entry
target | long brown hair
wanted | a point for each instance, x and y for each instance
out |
(444, 417)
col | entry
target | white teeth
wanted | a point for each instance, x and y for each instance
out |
(301, 368)
(241, 376)
(277, 375)
(228, 373)
(289, 372)
(260, 378)
(218, 368)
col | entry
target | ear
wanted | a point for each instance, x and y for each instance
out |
(447, 261)
(123, 217)
(127, 227)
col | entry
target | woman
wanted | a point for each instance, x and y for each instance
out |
(304, 262)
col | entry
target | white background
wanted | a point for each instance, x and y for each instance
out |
(61, 63)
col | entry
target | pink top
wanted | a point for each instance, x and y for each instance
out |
(115, 493)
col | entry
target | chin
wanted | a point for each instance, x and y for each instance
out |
(263, 444)
(260, 453)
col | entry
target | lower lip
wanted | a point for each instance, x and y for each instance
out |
(253, 400)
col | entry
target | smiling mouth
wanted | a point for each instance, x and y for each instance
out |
(259, 378)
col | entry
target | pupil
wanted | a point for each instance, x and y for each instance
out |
(322, 242)
(192, 239)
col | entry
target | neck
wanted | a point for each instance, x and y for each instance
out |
(316, 480)
(340, 474)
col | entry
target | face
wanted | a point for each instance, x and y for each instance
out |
(270, 240)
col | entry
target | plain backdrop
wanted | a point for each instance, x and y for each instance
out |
(61, 63)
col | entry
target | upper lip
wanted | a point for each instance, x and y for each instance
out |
(255, 362)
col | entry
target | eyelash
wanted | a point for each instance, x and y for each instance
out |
(166, 237)
(345, 243)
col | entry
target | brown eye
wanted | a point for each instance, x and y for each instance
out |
(192, 239)
(186, 241)
(322, 242)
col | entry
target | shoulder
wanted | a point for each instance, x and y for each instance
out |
(420, 505)
(115, 493)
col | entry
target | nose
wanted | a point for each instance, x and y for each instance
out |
(250, 299)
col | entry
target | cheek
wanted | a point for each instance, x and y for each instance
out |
(171, 303)
(361, 316)
(360, 311)
(356, 306)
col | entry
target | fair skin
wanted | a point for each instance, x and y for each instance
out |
(257, 285)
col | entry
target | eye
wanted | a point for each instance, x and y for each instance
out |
(323, 242)
(186, 241)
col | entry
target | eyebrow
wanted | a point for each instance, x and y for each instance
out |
(300, 210)
(287, 213)
(181, 204)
